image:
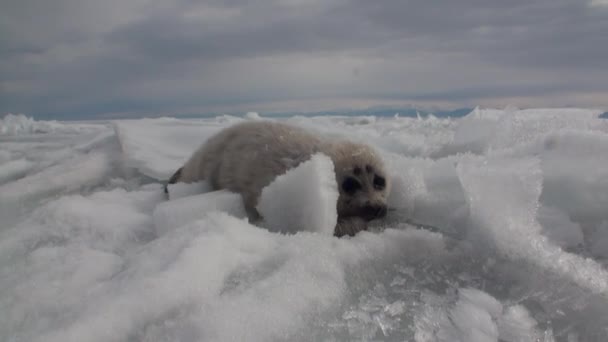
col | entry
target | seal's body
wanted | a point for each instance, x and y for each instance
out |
(246, 157)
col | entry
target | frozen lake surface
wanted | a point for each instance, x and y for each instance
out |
(499, 233)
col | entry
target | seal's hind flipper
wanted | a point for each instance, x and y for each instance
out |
(174, 179)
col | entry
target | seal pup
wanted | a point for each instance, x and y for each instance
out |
(246, 157)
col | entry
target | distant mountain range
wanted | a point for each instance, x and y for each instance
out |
(375, 111)
(383, 112)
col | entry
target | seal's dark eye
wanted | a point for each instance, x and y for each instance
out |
(350, 185)
(379, 182)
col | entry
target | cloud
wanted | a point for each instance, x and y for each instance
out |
(89, 58)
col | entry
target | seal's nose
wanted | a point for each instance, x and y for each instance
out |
(370, 212)
(381, 211)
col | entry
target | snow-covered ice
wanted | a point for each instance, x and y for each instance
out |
(498, 232)
(156, 147)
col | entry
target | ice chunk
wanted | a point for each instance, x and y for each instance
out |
(479, 113)
(303, 199)
(253, 116)
(16, 124)
(475, 316)
(472, 319)
(523, 126)
(484, 130)
(474, 134)
(427, 192)
(176, 213)
(407, 185)
(576, 182)
(482, 300)
(396, 308)
(516, 325)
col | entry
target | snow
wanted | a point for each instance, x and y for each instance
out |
(498, 231)
(74, 174)
(178, 212)
(14, 169)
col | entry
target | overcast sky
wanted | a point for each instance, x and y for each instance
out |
(150, 57)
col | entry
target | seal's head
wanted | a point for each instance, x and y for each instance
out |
(362, 180)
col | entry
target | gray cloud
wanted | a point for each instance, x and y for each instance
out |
(90, 58)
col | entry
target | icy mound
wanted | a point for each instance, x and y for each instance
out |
(303, 199)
